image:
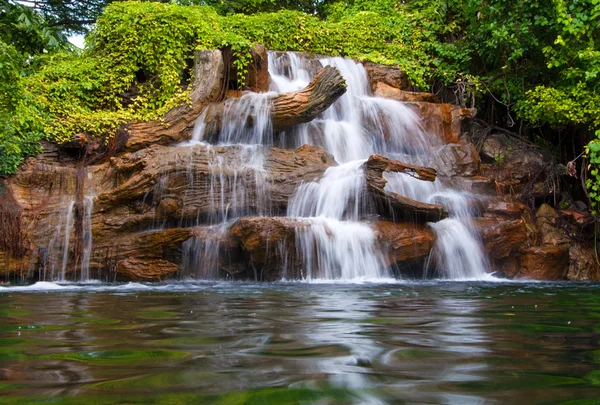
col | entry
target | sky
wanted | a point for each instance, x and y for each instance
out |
(77, 40)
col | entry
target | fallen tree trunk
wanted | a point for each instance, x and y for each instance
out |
(288, 109)
(392, 204)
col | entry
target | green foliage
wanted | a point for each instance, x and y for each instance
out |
(28, 31)
(593, 183)
(20, 119)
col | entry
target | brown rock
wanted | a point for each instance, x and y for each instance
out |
(145, 270)
(457, 160)
(404, 241)
(287, 109)
(546, 224)
(510, 209)
(393, 205)
(444, 120)
(387, 91)
(544, 262)
(583, 265)
(270, 246)
(501, 238)
(389, 75)
(258, 71)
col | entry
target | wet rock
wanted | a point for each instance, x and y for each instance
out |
(546, 220)
(269, 245)
(404, 242)
(386, 91)
(447, 121)
(583, 265)
(501, 238)
(266, 243)
(474, 184)
(388, 75)
(145, 270)
(457, 160)
(258, 71)
(510, 209)
(545, 262)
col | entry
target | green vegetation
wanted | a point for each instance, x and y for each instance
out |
(535, 63)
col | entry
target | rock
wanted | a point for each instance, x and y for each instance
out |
(258, 71)
(474, 184)
(510, 209)
(404, 242)
(143, 256)
(578, 218)
(582, 264)
(447, 121)
(495, 147)
(546, 220)
(544, 263)
(388, 75)
(386, 91)
(457, 160)
(145, 270)
(156, 186)
(501, 238)
(516, 166)
(266, 243)
(270, 247)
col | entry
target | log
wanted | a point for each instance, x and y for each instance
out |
(392, 204)
(288, 109)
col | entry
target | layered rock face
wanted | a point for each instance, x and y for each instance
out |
(158, 206)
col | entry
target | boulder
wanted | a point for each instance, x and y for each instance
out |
(457, 160)
(583, 265)
(258, 72)
(404, 243)
(545, 262)
(388, 75)
(510, 209)
(386, 91)
(546, 221)
(447, 121)
(501, 238)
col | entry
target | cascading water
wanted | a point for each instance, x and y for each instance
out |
(69, 222)
(88, 206)
(246, 126)
(356, 126)
(331, 240)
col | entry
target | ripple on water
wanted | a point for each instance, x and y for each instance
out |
(299, 343)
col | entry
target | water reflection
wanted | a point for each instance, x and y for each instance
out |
(300, 343)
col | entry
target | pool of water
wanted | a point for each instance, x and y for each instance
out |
(299, 343)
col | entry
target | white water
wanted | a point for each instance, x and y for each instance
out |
(69, 221)
(355, 127)
(88, 206)
(332, 242)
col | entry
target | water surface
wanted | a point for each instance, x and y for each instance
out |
(298, 343)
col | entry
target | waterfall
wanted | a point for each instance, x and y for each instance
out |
(69, 222)
(333, 239)
(88, 206)
(354, 127)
